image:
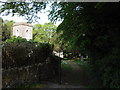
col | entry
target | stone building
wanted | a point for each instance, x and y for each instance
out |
(23, 30)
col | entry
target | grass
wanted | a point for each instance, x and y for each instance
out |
(82, 64)
(38, 86)
(35, 86)
(65, 66)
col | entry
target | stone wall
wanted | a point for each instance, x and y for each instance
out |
(23, 30)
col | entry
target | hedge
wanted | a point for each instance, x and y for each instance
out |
(27, 62)
(18, 54)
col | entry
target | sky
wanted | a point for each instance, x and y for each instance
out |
(43, 18)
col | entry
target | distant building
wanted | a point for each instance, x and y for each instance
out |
(23, 30)
(60, 54)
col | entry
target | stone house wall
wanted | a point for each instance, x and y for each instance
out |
(23, 30)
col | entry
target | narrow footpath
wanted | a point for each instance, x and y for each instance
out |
(71, 79)
(73, 65)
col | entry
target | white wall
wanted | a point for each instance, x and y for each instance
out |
(60, 54)
(23, 31)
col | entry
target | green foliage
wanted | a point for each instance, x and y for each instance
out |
(110, 69)
(59, 44)
(82, 64)
(43, 33)
(1, 22)
(27, 9)
(7, 27)
(35, 86)
(93, 29)
(65, 66)
(21, 53)
(15, 39)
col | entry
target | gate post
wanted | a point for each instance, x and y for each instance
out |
(59, 70)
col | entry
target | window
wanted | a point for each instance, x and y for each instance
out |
(27, 34)
(17, 32)
(26, 30)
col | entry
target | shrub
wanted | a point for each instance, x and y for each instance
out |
(107, 69)
(16, 39)
(110, 70)
(18, 55)
(18, 52)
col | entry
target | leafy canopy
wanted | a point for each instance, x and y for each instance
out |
(27, 9)
(7, 27)
(43, 33)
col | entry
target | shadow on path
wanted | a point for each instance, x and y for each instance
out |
(74, 78)
(77, 76)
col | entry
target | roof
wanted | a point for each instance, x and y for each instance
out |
(22, 23)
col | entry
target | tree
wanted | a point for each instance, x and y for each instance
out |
(1, 21)
(93, 28)
(27, 9)
(7, 27)
(43, 33)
